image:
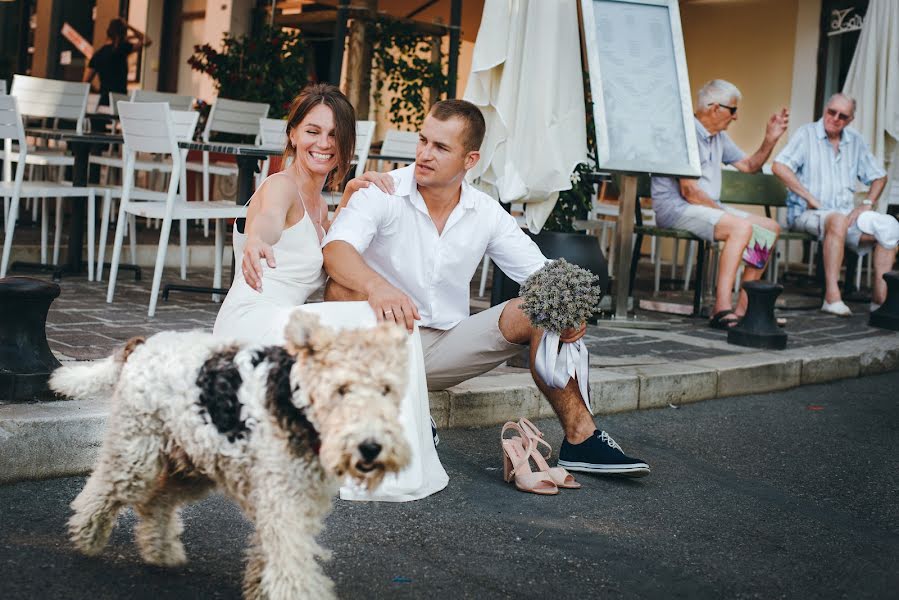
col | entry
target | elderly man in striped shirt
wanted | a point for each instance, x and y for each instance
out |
(821, 166)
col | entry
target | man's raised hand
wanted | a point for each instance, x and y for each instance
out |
(390, 304)
(777, 124)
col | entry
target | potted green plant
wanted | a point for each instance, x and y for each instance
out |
(268, 67)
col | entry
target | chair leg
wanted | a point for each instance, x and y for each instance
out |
(7, 240)
(132, 237)
(812, 248)
(44, 227)
(205, 190)
(160, 264)
(121, 226)
(858, 273)
(674, 260)
(182, 235)
(219, 250)
(657, 276)
(104, 232)
(484, 266)
(691, 250)
(91, 233)
(57, 233)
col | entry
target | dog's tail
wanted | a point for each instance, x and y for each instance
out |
(94, 379)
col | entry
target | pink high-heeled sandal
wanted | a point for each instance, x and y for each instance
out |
(561, 477)
(517, 467)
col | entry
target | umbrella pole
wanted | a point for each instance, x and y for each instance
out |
(624, 239)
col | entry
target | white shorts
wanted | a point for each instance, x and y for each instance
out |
(813, 223)
(701, 220)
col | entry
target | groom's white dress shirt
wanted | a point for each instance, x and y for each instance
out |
(397, 238)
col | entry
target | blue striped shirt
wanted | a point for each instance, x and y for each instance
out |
(829, 176)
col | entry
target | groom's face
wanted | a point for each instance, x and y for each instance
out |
(441, 158)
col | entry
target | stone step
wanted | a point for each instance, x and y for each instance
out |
(54, 439)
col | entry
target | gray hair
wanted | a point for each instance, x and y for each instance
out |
(841, 96)
(717, 91)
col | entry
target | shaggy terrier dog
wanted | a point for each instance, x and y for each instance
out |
(277, 429)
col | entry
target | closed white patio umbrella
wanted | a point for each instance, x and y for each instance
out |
(873, 80)
(526, 77)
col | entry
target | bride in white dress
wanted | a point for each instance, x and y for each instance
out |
(281, 260)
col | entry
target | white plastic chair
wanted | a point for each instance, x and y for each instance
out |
(184, 122)
(175, 101)
(272, 136)
(365, 131)
(228, 116)
(49, 99)
(2, 86)
(12, 190)
(400, 145)
(149, 127)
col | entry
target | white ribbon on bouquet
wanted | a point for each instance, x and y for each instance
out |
(556, 366)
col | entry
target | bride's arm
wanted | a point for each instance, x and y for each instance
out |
(264, 227)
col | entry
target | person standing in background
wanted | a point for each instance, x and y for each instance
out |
(110, 62)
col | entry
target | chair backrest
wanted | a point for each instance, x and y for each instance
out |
(365, 131)
(12, 130)
(114, 99)
(50, 98)
(401, 144)
(755, 189)
(234, 116)
(176, 101)
(272, 133)
(148, 127)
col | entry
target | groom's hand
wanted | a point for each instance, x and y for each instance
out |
(390, 304)
(255, 250)
(571, 334)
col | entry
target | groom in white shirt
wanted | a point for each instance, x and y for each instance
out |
(412, 254)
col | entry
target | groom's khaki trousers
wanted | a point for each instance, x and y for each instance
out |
(471, 348)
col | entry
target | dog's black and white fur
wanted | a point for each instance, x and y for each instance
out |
(275, 428)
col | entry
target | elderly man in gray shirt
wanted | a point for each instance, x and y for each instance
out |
(694, 205)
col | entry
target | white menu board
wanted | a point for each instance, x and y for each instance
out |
(640, 88)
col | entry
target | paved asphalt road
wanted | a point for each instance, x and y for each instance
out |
(789, 495)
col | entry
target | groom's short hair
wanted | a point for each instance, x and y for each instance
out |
(475, 127)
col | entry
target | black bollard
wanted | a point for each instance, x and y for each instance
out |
(25, 358)
(887, 316)
(758, 328)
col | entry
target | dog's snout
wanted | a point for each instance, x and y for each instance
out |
(369, 450)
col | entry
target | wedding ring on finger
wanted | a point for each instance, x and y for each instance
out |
(388, 312)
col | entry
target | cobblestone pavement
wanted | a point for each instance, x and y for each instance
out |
(81, 325)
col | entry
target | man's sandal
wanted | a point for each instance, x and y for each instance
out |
(517, 467)
(720, 321)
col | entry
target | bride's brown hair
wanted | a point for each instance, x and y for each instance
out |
(344, 124)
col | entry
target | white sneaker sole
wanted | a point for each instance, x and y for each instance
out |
(634, 470)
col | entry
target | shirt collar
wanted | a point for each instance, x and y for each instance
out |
(701, 130)
(406, 184)
(819, 131)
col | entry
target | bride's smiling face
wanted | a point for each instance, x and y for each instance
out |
(315, 141)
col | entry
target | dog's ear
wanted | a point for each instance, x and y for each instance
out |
(304, 333)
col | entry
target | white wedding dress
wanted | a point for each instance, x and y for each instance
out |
(259, 317)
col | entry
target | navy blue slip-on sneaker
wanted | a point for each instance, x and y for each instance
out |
(601, 455)
(434, 432)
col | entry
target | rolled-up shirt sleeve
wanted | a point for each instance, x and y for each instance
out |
(869, 168)
(795, 153)
(359, 221)
(513, 251)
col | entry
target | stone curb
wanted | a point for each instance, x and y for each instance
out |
(54, 439)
